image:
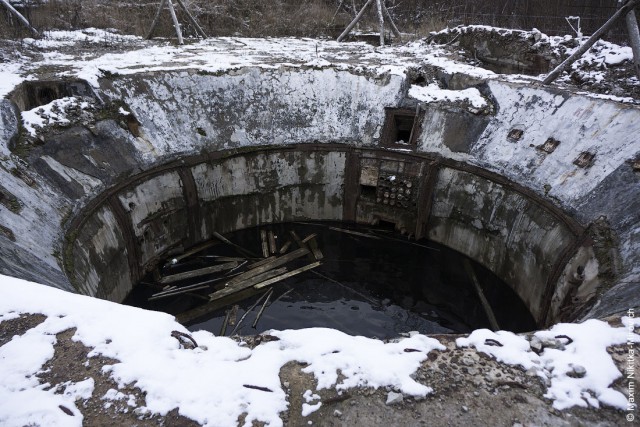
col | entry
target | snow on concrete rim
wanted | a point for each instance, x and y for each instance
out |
(433, 93)
(152, 359)
(222, 54)
(579, 373)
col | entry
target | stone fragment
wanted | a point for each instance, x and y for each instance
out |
(394, 398)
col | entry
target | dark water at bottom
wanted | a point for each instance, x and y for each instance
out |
(378, 285)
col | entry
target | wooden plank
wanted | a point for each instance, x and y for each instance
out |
(310, 240)
(483, 300)
(246, 313)
(200, 272)
(261, 262)
(197, 26)
(281, 277)
(249, 282)
(155, 19)
(176, 24)
(196, 249)
(176, 292)
(285, 247)
(355, 21)
(265, 244)
(220, 258)
(276, 262)
(266, 301)
(301, 244)
(272, 243)
(211, 306)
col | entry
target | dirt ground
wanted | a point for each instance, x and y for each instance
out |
(470, 388)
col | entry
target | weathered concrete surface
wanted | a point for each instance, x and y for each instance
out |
(124, 161)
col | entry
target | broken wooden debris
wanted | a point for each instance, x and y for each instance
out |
(255, 387)
(176, 292)
(272, 243)
(285, 247)
(195, 250)
(185, 340)
(211, 306)
(310, 240)
(199, 272)
(233, 315)
(225, 323)
(264, 305)
(287, 275)
(261, 262)
(247, 283)
(483, 300)
(276, 262)
(265, 244)
(249, 311)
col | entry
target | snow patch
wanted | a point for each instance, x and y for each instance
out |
(580, 374)
(173, 377)
(433, 93)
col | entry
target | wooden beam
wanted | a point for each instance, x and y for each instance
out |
(353, 23)
(247, 283)
(275, 262)
(380, 21)
(265, 244)
(272, 243)
(310, 240)
(176, 24)
(281, 277)
(199, 272)
(155, 19)
(21, 18)
(483, 300)
(634, 39)
(211, 306)
(392, 24)
(626, 8)
(197, 26)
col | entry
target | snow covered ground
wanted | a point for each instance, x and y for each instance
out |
(92, 54)
(223, 378)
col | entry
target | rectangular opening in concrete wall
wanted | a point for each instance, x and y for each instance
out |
(32, 94)
(368, 192)
(400, 128)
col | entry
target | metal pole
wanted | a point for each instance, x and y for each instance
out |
(628, 6)
(199, 29)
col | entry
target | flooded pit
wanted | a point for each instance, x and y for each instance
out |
(371, 281)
